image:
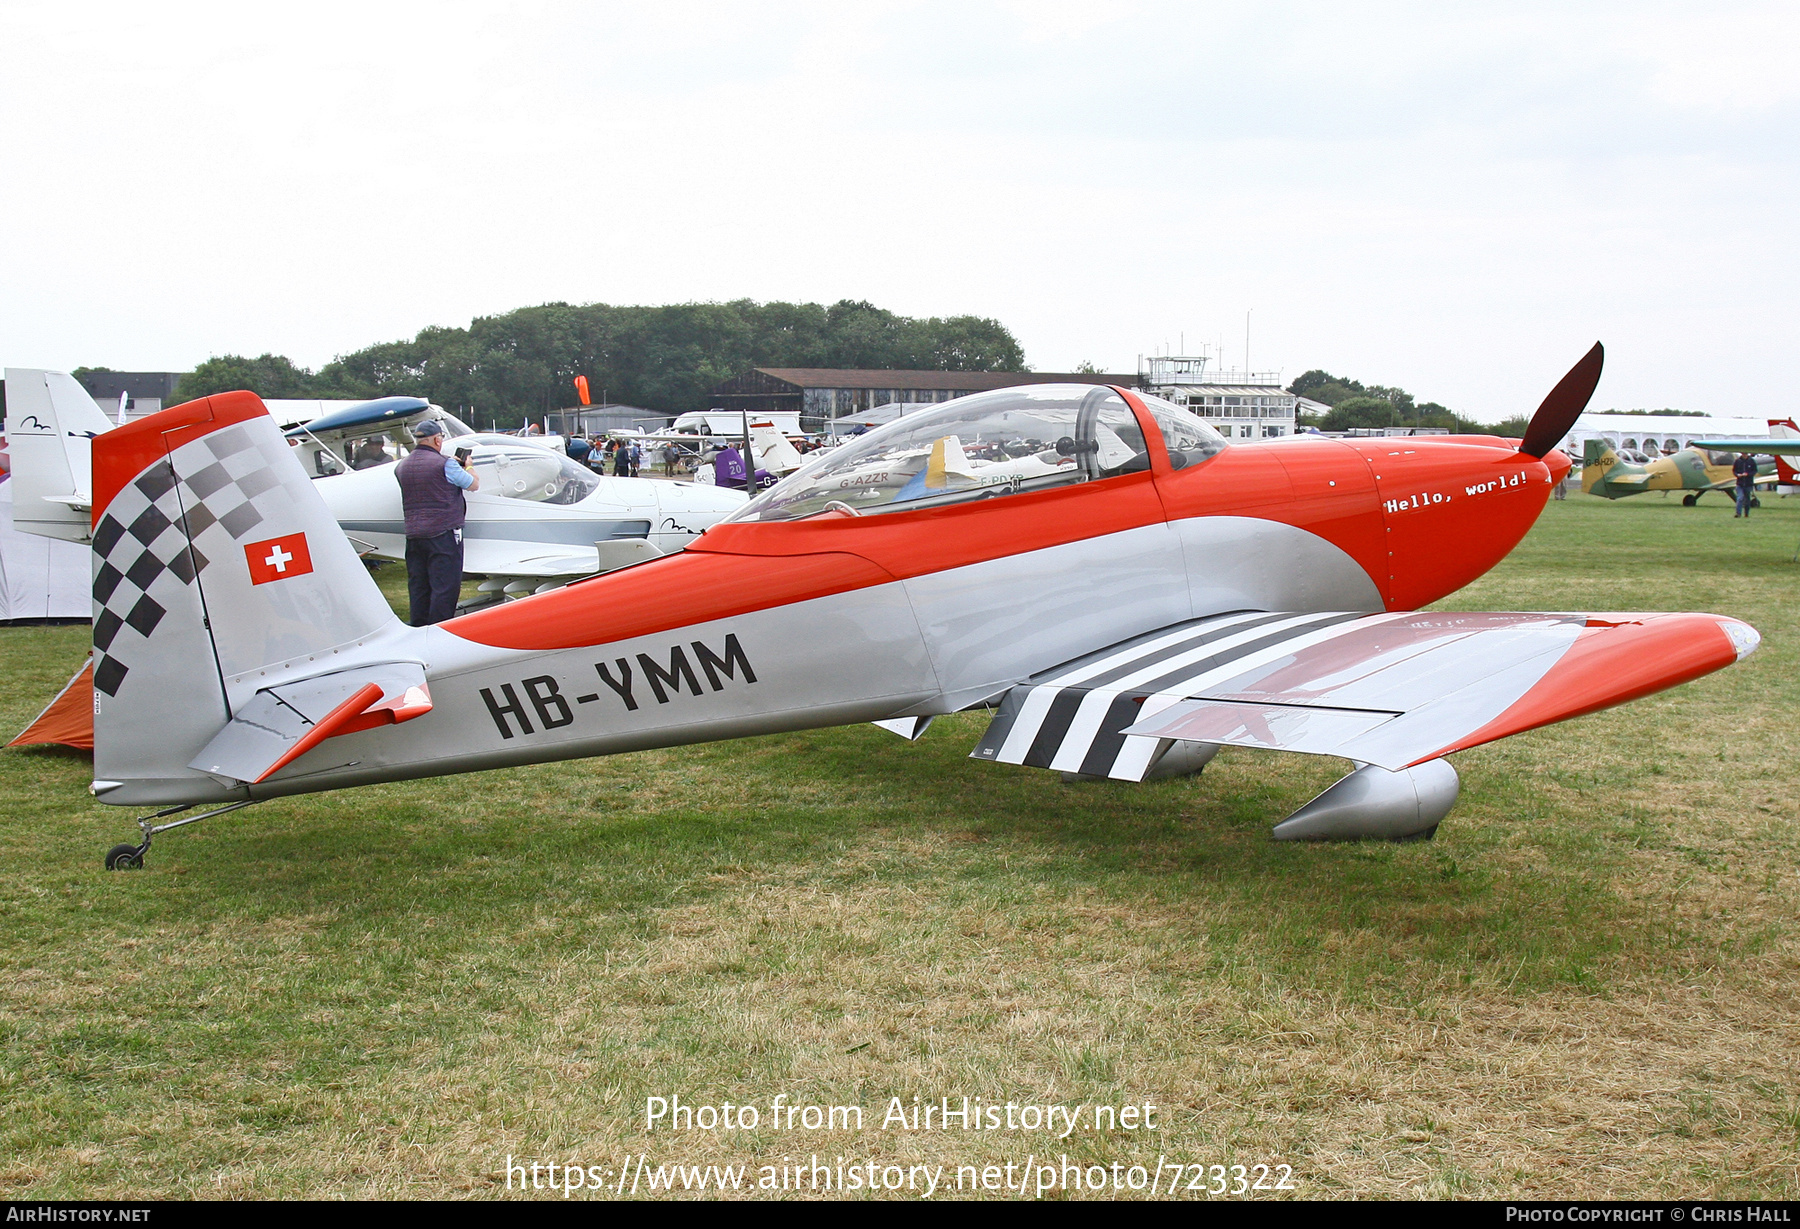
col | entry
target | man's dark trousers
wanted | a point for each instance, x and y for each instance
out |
(434, 576)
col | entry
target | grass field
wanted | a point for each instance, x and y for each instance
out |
(1585, 986)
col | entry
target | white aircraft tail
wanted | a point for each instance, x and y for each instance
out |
(233, 622)
(947, 460)
(1784, 429)
(774, 451)
(51, 423)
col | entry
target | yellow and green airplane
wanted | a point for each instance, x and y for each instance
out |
(1694, 470)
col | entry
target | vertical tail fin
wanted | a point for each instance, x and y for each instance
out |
(774, 451)
(1784, 429)
(51, 423)
(1598, 460)
(218, 572)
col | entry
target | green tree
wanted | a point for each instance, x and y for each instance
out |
(269, 376)
(1355, 413)
(1359, 406)
(521, 363)
(1317, 385)
(667, 359)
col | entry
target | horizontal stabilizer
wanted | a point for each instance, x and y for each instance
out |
(280, 724)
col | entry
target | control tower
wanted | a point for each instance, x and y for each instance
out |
(1242, 405)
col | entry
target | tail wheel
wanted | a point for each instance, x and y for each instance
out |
(125, 858)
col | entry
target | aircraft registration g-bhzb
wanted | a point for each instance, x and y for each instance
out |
(1129, 591)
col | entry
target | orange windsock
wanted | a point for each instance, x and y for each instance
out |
(581, 390)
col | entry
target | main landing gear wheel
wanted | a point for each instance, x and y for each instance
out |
(125, 858)
(1755, 502)
(1689, 501)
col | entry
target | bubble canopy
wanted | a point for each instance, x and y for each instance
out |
(986, 446)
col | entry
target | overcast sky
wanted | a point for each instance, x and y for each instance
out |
(1454, 199)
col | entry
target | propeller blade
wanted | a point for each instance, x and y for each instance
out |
(1564, 404)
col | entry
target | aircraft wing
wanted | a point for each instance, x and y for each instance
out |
(501, 558)
(1393, 690)
(527, 560)
(1774, 447)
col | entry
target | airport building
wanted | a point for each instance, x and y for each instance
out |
(145, 392)
(594, 421)
(1242, 405)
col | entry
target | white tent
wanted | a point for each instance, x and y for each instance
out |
(40, 578)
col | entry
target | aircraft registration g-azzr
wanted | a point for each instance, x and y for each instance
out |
(1127, 590)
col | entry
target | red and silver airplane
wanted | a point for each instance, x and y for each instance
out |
(1127, 590)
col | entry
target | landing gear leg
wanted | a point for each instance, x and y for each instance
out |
(131, 857)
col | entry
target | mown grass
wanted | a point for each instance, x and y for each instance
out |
(1584, 987)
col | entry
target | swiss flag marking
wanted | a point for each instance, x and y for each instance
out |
(278, 558)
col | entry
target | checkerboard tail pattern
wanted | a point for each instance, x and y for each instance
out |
(145, 561)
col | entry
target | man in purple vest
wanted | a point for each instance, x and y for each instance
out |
(431, 493)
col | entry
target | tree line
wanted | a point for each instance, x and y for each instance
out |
(665, 359)
(1355, 405)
